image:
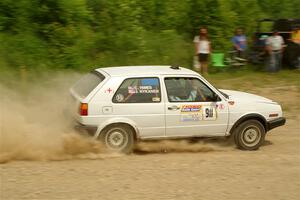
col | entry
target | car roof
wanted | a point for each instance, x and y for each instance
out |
(146, 70)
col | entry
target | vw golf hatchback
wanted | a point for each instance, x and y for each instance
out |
(123, 105)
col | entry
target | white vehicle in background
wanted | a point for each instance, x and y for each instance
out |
(122, 105)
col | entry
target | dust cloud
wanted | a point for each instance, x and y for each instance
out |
(35, 124)
(182, 146)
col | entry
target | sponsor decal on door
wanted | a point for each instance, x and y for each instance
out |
(197, 113)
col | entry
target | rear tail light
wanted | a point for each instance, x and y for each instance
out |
(83, 109)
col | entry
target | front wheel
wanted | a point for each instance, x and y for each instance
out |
(249, 135)
(118, 138)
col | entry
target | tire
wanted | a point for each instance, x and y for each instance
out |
(249, 135)
(118, 138)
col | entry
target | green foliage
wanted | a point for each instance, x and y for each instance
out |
(82, 34)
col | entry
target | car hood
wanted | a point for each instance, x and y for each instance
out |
(243, 96)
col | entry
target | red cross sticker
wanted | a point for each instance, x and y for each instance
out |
(109, 90)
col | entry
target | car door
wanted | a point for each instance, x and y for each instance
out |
(193, 108)
(139, 100)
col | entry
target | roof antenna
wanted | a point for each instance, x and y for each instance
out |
(175, 67)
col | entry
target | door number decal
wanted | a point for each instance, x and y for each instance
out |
(209, 113)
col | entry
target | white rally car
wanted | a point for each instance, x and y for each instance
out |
(122, 105)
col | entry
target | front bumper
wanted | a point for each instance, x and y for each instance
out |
(275, 123)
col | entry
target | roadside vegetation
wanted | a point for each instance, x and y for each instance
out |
(82, 34)
(41, 38)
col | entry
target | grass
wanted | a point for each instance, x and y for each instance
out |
(246, 79)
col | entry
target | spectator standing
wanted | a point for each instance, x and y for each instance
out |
(239, 41)
(203, 49)
(275, 46)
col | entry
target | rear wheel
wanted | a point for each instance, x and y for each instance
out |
(249, 135)
(118, 138)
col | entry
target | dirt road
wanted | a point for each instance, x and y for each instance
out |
(273, 172)
(210, 170)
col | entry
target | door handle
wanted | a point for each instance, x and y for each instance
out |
(173, 108)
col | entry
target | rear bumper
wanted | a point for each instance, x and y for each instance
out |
(91, 130)
(275, 123)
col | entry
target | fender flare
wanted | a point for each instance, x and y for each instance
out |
(246, 117)
(120, 120)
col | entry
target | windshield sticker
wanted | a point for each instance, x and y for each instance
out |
(145, 89)
(150, 81)
(156, 99)
(148, 89)
(119, 98)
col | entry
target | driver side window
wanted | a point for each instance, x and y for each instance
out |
(181, 89)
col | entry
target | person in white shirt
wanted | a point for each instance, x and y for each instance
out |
(275, 46)
(203, 49)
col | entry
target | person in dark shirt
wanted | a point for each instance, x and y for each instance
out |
(239, 42)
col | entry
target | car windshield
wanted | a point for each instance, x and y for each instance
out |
(87, 83)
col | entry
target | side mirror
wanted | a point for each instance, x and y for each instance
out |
(216, 97)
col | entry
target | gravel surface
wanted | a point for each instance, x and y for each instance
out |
(273, 172)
